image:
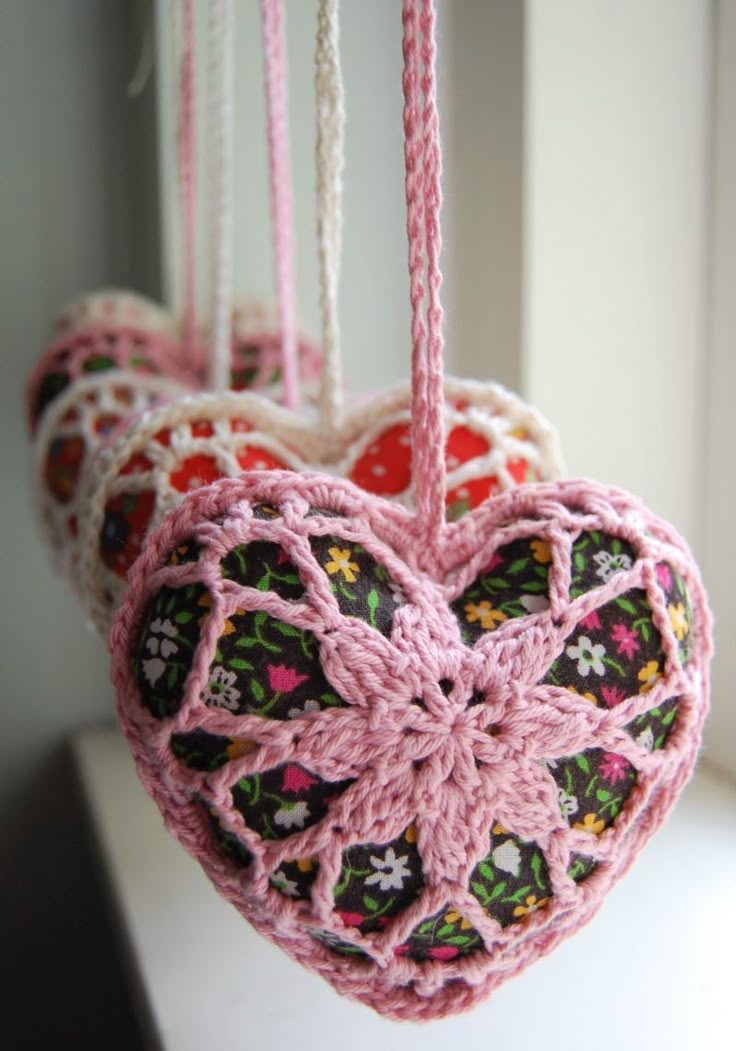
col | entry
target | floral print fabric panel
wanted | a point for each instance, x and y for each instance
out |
(200, 750)
(361, 585)
(378, 882)
(592, 787)
(267, 667)
(614, 653)
(277, 803)
(512, 881)
(444, 936)
(679, 608)
(167, 642)
(264, 566)
(513, 584)
(596, 557)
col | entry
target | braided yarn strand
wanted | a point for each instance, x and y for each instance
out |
(221, 149)
(423, 199)
(330, 103)
(274, 48)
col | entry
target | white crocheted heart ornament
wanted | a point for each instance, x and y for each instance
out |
(416, 774)
(114, 355)
(494, 442)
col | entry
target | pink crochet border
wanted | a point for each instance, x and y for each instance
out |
(547, 719)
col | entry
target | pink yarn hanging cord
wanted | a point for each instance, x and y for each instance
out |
(423, 163)
(274, 51)
(188, 180)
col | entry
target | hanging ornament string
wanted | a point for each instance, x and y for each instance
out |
(330, 153)
(187, 179)
(221, 154)
(422, 158)
(275, 63)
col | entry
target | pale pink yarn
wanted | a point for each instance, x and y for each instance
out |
(470, 778)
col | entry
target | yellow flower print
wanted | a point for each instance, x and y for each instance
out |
(305, 864)
(588, 696)
(484, 612)
(240, 746)
(228, 627)
(411, 834)
(648, 676)
(542, 551)
(532, 904)
(453, 916)
(341, 564)
(591, 823)
(178, 554)
(499, 830)
(678, 620)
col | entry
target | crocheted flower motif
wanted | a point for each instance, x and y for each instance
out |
(415, 780)
(494, 443)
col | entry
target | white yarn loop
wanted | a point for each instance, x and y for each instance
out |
(330, 157)
(221, 92)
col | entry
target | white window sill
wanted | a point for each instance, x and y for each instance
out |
(653, 969)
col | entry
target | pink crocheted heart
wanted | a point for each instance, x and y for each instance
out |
(415, 778)
(494, 442)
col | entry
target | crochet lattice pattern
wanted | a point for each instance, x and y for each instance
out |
(415, 779)
(114, 358)
(494, 442)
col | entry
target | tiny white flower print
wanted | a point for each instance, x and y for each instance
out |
(392, 871)
(646, 739)
(286, 886)
(609, 564)
(588, 656)
(160, 648)
(568, 803)
(551, 764)
(163, 647)
(292, 815)
(309, 706)
(535, 603)
(507, 857)
(153, 669)
(220, 691)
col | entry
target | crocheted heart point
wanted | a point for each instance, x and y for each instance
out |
(414, 775)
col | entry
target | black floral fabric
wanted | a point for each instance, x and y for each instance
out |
(361, 585)
(166, 648)
(378, 882)
(596, 557)
(267, 667)
(279, 802)
(515, 583)
(512, 881)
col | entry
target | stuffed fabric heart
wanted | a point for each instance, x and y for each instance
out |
(494, 442)
(115, 354)
(416, 779)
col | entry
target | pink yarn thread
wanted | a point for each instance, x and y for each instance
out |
(451, 803)
(274, 47)
(423, 200)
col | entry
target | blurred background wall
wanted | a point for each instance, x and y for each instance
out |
(578, 217)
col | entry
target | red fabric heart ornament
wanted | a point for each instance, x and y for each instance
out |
(415, 773)
(494, 442)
